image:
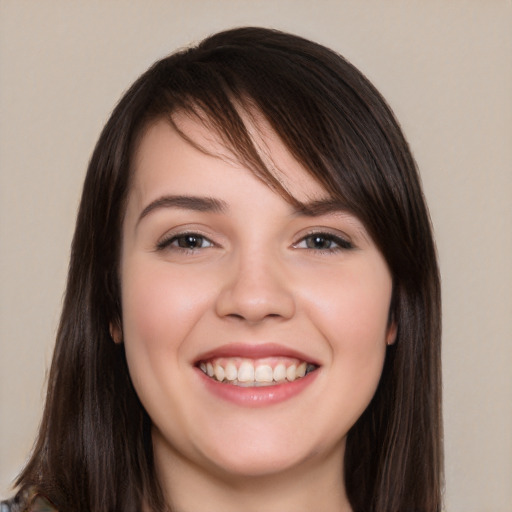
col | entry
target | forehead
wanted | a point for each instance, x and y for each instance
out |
(192, 150)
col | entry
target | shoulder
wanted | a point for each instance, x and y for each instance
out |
(27, 502)
(41, 504)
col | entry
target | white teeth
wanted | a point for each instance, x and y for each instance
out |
(291, 372)
(219, 372)
(248, 372)
(301, 370)
(280, 373)
(231, 371)
(263, 373)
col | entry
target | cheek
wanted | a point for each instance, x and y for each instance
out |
(160, 308)
(159, 305)
(354, 303)
(351, 310)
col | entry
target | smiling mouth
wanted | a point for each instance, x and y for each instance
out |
(246, 372)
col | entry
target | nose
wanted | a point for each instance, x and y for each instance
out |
(256, 288)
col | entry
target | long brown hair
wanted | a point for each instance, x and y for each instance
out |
(94, 451)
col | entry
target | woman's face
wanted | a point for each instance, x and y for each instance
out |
(255, 333)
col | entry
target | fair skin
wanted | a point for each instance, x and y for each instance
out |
(218, 272)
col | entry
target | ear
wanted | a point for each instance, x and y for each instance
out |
(116, 332)
(391, 334)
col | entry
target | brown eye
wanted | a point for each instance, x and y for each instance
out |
(319, 242)
(190, 241)
(323, 242)
(186, 241)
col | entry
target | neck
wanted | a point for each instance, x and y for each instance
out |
(310, 486)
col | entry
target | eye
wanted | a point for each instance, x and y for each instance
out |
(185, 241)
(323, 242)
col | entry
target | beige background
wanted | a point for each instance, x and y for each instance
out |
(445, 67)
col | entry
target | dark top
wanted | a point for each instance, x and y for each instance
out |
(27, 502)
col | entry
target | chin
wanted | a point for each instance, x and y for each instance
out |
(259, 465)
(253, 455)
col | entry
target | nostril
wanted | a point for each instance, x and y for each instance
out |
(249, 317)
(236, 316)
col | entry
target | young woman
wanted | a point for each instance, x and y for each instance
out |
(252, 315)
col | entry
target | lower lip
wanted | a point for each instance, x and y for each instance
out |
(257, 396)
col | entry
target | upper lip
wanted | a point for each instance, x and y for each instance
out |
(254, 351)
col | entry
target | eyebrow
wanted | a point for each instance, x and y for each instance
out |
(331, 206)
(195, 203)
(321, 207)
(209, 204)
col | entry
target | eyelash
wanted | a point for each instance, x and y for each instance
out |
(340, 242)
(167, 243)
(315, 237)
